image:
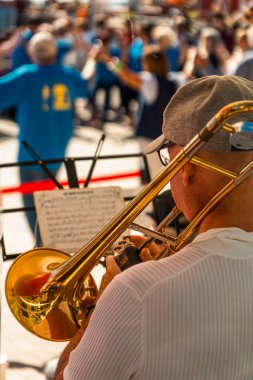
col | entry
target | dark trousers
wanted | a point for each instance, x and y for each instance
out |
(107, 88)
(127, 95)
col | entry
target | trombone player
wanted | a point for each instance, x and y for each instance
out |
(187, 316)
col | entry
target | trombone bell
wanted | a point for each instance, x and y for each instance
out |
(51, 312)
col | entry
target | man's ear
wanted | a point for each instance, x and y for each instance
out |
(187, 175)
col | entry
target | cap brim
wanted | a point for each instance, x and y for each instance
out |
(157, 144)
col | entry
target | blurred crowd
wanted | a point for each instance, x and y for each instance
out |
(194, 44)
(62, 53)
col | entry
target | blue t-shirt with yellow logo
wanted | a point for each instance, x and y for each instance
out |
(44, 97)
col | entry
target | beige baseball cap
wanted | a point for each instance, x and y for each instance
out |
(197, 102)
(42, 45)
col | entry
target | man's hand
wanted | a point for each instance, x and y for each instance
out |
(151, 250)
(112, 269)
(103, 56)
(95, 50)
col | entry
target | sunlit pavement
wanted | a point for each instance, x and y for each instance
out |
(26, 355)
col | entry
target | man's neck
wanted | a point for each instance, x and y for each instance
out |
(236, 217)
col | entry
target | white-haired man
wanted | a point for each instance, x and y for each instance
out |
(188, 316)
(44, 95)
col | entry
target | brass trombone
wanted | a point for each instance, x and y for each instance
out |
(47, 291)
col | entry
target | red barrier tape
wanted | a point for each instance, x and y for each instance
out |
(30, 187)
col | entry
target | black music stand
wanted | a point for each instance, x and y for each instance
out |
(73, 182)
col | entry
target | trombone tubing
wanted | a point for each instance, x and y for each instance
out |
(89, 255)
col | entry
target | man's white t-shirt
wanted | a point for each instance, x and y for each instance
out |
(189, 316)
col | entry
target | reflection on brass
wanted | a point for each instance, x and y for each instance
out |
(52, 266)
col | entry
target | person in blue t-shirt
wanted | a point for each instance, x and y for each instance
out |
(134, 62)
(104, 78)
(20, 55)
(44, 95)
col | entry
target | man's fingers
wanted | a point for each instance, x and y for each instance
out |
(111, 265)
(145, 255)
(112, 269)
(138, 240)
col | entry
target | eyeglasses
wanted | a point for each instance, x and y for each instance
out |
(164, 156)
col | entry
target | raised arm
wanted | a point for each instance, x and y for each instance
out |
(130, 78)
(7, 47)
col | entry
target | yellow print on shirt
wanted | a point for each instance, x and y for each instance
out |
(60, 97)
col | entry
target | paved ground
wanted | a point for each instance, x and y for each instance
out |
(25, 354)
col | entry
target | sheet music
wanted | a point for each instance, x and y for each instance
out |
(69, 218)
